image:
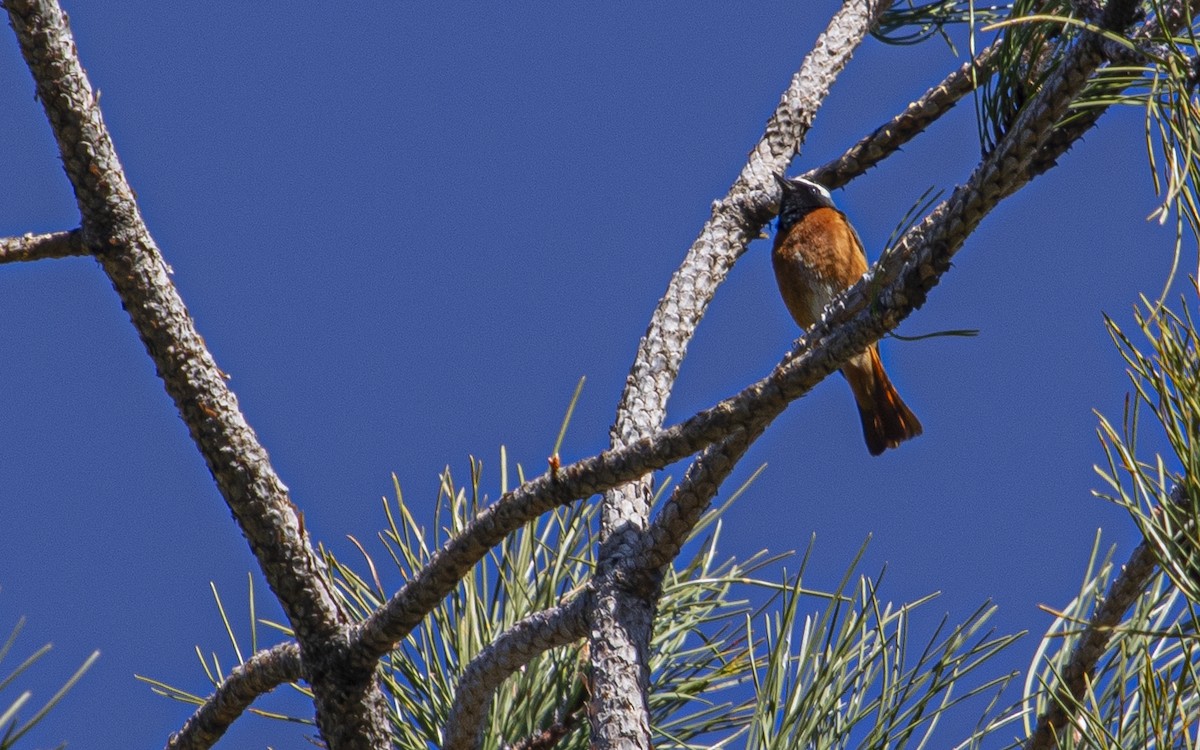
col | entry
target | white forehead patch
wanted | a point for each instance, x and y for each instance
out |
(817, 186)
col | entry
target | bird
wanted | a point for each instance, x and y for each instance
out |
(817, 254)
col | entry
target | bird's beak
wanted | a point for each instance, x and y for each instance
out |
(783, 182)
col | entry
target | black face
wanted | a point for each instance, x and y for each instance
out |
(800, 198)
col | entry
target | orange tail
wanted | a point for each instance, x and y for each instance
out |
(886, 420)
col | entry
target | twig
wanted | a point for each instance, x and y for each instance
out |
(553, 734)
(42, 246)
(515, 648)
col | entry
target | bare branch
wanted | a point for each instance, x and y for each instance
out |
(42, 246)
(350, 708)
(262, 673)
(916, 117)
(515, 648)
(259, 500)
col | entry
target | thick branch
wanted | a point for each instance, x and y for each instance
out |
(350, 713)
(515, 648)
(988, 185)
(113, 226)
(740, 418)
(262, 673)
(702, 482)
(42, 246)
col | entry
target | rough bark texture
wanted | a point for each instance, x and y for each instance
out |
(889, 137)
(1076, 678)
(339, 660)
(349, 708)
(41, 246)
(620, 620)
(518, 646)
(261, 674)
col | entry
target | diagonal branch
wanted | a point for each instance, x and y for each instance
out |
(42, 246)
(515, 648)
(1175, 16)
(692, 497)
(694, 494)
(348, 711)
(916, 117)
(113, 225)
(1075, 679)
(262, 673)
(849, 326)
(682, 511)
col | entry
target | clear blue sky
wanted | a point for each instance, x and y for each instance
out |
(406, 230)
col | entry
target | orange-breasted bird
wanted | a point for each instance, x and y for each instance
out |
(817, 254)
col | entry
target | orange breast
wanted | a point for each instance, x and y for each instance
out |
(817, 258)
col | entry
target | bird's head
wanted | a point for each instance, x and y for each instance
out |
(800, 197)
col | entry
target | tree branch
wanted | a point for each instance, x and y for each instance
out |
(515, 648)
(114, 228)
(42, 246)
(262, 673)
(350, 712)
(694, 494)
(682, 511)
(916, 117)
(1025, 142)
(1175, 16)
(1075, 679)
(849, 326)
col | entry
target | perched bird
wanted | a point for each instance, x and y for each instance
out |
(816, 255)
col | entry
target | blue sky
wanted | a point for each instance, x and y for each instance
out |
(407, 230)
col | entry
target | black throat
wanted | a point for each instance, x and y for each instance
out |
(800, 198)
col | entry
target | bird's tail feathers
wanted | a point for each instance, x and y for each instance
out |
(886, 419)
